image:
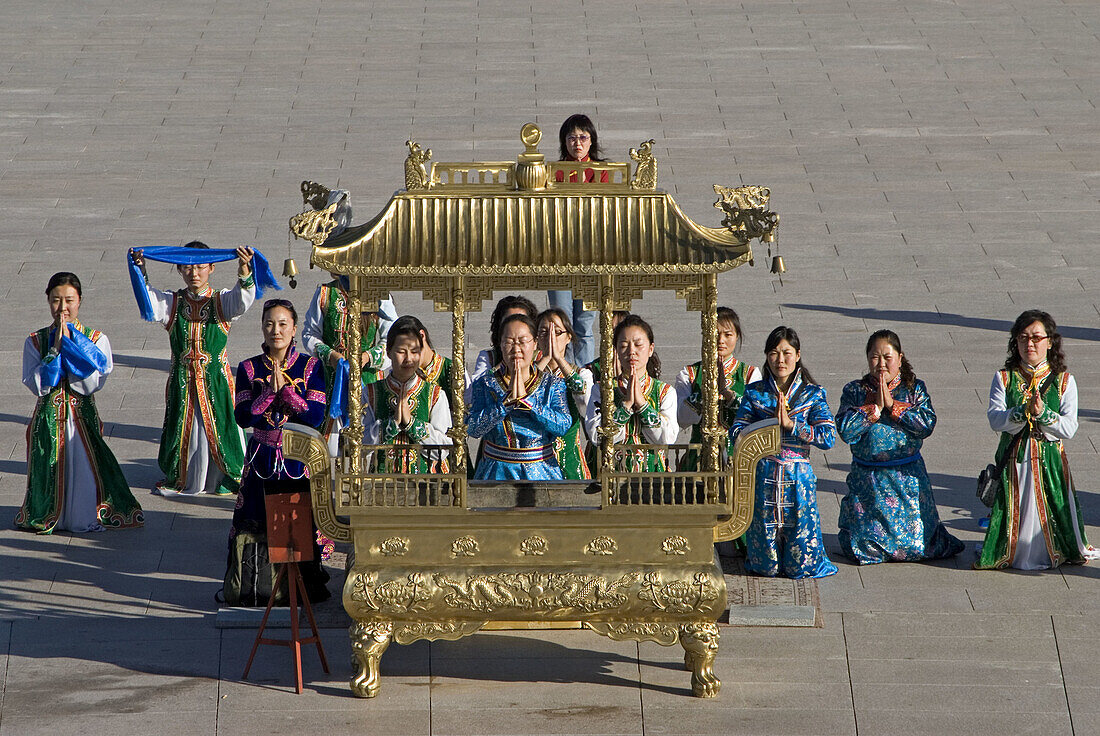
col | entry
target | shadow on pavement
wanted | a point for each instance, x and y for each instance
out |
(941, 318)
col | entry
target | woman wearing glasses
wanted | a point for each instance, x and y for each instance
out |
(518, 410)
(1035, 522)
(554, 336)
(579, 142)
(279, 386)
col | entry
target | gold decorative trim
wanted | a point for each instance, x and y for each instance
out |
(645, 176)
(406, 632)
(534, 545)
(746, 209)
(752, 445)
(394, 547)
(314, 225)
(664, 634)
(307, 446)
(601, 546)
(700, 642)
(464, 547)
(416, 167)
(675, 545)
(679, 595)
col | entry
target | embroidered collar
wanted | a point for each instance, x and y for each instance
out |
(204, 293)
(291, 356)
(432, 370)
(729, 364)
(1034, 374)
(796, 383)
(396, 386)
(504, 379)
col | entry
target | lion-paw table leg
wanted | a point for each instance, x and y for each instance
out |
(700, 642)
(368, 641)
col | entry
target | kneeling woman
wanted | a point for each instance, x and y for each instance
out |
(644, 412)
(519, 410)
(784, 537)
(406, 408)
(889, 512)
(73, 479)
(280, 386)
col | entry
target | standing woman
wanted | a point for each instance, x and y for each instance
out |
(578, 142)
(519, 410)
(279, 386)
(733, 377)
(784, 537)
(554, 336)
(644, 411)
(74, 482)
(888, 513)
(1035, 522)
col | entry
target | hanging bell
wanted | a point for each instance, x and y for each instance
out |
(290, 270)
(778, 267)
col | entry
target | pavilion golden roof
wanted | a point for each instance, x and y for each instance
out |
(514, 218)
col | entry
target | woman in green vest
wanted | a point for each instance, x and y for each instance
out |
(1035, 522)
(74, 482)
(407, 409)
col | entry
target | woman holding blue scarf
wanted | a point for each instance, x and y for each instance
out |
(74, 481)
(201, 447)
(889, 513)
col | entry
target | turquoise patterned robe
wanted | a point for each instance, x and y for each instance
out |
(889, 513)
(519, 439)
(784, 537)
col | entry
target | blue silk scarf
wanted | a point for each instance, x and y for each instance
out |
(181, 256)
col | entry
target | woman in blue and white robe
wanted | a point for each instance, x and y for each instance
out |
(518, 411)
(784, 537)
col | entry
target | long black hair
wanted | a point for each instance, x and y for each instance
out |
(561, 315)
(582, 122)
(725, 314)
(288, 306)
(908, 377)
(1055, 357)
(778, 335)
(653, 365)
(496, 322)
(64, 278)
(406, 326)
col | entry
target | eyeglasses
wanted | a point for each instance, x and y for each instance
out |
(544, 332)
(577, 138)
(520, 343)
(1033, 339)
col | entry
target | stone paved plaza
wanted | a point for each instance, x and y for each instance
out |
(936, 165)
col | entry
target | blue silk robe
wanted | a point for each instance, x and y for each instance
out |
(784, 537)
(519, 439)
(888, 512)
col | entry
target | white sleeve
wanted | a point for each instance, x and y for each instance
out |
(312, 325)
(372, 428)
(581, 400)
(33, 369)
(685, 415)
(94, 381)
(593, 417)
(668, 430)
(237, 300)
(753, 375)
(387, 315)
(162, 302)
(999, 415)
(1065, 426)
(439, 421)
